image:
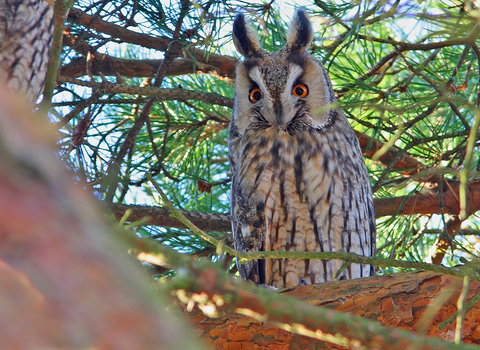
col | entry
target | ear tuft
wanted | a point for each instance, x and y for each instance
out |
(244, 38)
(300, 34)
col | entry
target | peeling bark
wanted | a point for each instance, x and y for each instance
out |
(415, 301)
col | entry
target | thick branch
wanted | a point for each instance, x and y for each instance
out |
(409, 301)
(203, 283)
(66, 282)
(429, 203)
(417, 204)
(130, 68)
(160, 216)
(223, 63)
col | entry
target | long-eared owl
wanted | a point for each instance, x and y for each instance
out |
(299, 181)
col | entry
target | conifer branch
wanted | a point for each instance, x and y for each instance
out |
(472, 272)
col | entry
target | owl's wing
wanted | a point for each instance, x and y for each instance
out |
(246, 235)
(350, 223)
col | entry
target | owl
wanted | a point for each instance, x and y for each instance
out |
(299, 181)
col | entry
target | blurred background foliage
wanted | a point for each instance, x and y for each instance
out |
(405, 72)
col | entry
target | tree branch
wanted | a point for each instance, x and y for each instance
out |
(412, 302)
(160, 94)
(204, 278)
(160, 216)
(111, 66)
(130, 68)
(407, 205)
(66, 282)
(225, 64)
(429, 203)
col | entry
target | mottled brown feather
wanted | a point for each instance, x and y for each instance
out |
(299, 181)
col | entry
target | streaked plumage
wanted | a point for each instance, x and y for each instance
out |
(299, 181)
(26, 34)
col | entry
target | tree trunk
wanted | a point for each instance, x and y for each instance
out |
(415, 301)
(65, 280)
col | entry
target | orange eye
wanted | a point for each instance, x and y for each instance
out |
(300, 90)
(255, 95)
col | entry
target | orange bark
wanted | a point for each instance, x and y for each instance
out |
(399, 300)
(409, 164)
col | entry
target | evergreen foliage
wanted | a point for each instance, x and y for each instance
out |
(406, 73)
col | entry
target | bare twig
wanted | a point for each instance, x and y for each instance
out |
(461, 310)
(60, 11)
(110, 184)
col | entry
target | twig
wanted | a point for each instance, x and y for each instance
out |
(459, 64)
(178, 215)
(161, 158)
(160, 94)
(96, 95)
(461, 310)
(467, 307)
(61, 8)
(477, 54)
(333, 15)
(464, 174)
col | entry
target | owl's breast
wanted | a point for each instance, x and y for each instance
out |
(288, 181)
(305, 192)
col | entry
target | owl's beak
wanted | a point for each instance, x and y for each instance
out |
(280, 118)
(278, 109)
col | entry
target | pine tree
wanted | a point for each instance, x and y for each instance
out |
(145, 91)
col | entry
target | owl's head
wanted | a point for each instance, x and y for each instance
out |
(286, 90)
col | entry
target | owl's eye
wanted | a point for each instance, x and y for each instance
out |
(300, 90)
(255, 95)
